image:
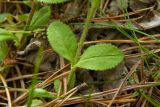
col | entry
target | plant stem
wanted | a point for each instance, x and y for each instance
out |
(35, 77)
(92, 11)
(24, 38)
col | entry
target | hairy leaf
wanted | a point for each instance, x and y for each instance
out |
(40, 18)
(3, 50)
(53, 1)
(62, 40)
(5, 35)
(100, 57)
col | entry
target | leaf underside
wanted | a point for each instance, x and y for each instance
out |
(100, 57)
(53, 1)
(62, 40)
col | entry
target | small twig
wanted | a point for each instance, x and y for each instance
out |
(24, 76)
(7, 91)
(124, 80)
(13, 90)
(52, 76)
(21, 80)
(105, 5)
(119, 41)
(59, 104)
(66, 96)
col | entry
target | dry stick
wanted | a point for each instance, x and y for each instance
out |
(101, 103)
(123, 15)
(14, 85)
(21, 80)
(142, 77)
(65, 84)
(59, 104)
(24, 76)
(48, 80)
(72, 91)
(7, 91)
(13, 90)
(76, 89)
(118, 41)
(122, 20)
(19, 8)
(142, 74)
(55, 78)
(22, 97)
(43, 84)
(17, 2)
(3, 104)
(122, 100)
(105, 5)
(60, 88)
(65, 78)
(139, 55)
(124, 80)
(3, 97)
(53, 101)
(75, 100)
(136, 47)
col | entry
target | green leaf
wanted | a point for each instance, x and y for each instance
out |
(5, 35)
(53, 1)
(4, 50)
(100, 57)
(56, 85)
(36, 103)
(40, 18)
(3, 16)
(62, 40)
(41, 93)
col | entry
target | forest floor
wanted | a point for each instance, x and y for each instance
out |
(32, 76)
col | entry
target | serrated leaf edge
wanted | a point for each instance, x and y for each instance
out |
(107, 68)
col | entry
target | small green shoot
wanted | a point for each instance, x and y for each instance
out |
(97, 57)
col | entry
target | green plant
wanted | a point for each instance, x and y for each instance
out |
(40, 18)
(53, 1)
(5, 36)
(97, 57)
(32, 88)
